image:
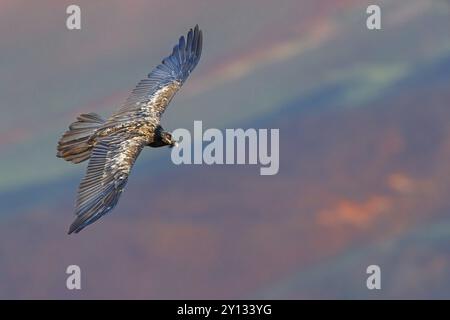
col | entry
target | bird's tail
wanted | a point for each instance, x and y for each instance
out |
(74, 145)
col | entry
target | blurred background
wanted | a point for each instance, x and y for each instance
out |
(364, 176)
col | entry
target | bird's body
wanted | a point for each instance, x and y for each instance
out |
(113, 145)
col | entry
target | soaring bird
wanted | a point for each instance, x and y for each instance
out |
(113, 145)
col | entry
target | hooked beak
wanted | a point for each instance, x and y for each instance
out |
(174, 144)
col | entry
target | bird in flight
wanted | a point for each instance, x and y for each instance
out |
(113, 145)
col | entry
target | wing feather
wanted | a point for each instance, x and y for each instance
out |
(150, 98)
(107, 174)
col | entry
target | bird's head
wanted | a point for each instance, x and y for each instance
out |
(167, 138)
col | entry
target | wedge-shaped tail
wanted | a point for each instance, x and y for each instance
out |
(75, 145)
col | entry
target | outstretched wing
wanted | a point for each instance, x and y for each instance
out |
(107, 174)
(151, 96)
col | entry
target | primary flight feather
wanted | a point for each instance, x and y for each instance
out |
(113, 145)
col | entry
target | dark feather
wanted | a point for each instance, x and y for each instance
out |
(151, 96)
(107, 174)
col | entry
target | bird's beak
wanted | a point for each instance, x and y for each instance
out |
(174, 144)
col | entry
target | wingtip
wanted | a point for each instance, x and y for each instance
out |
(75, 227)
(71, 230)
(197, 29)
